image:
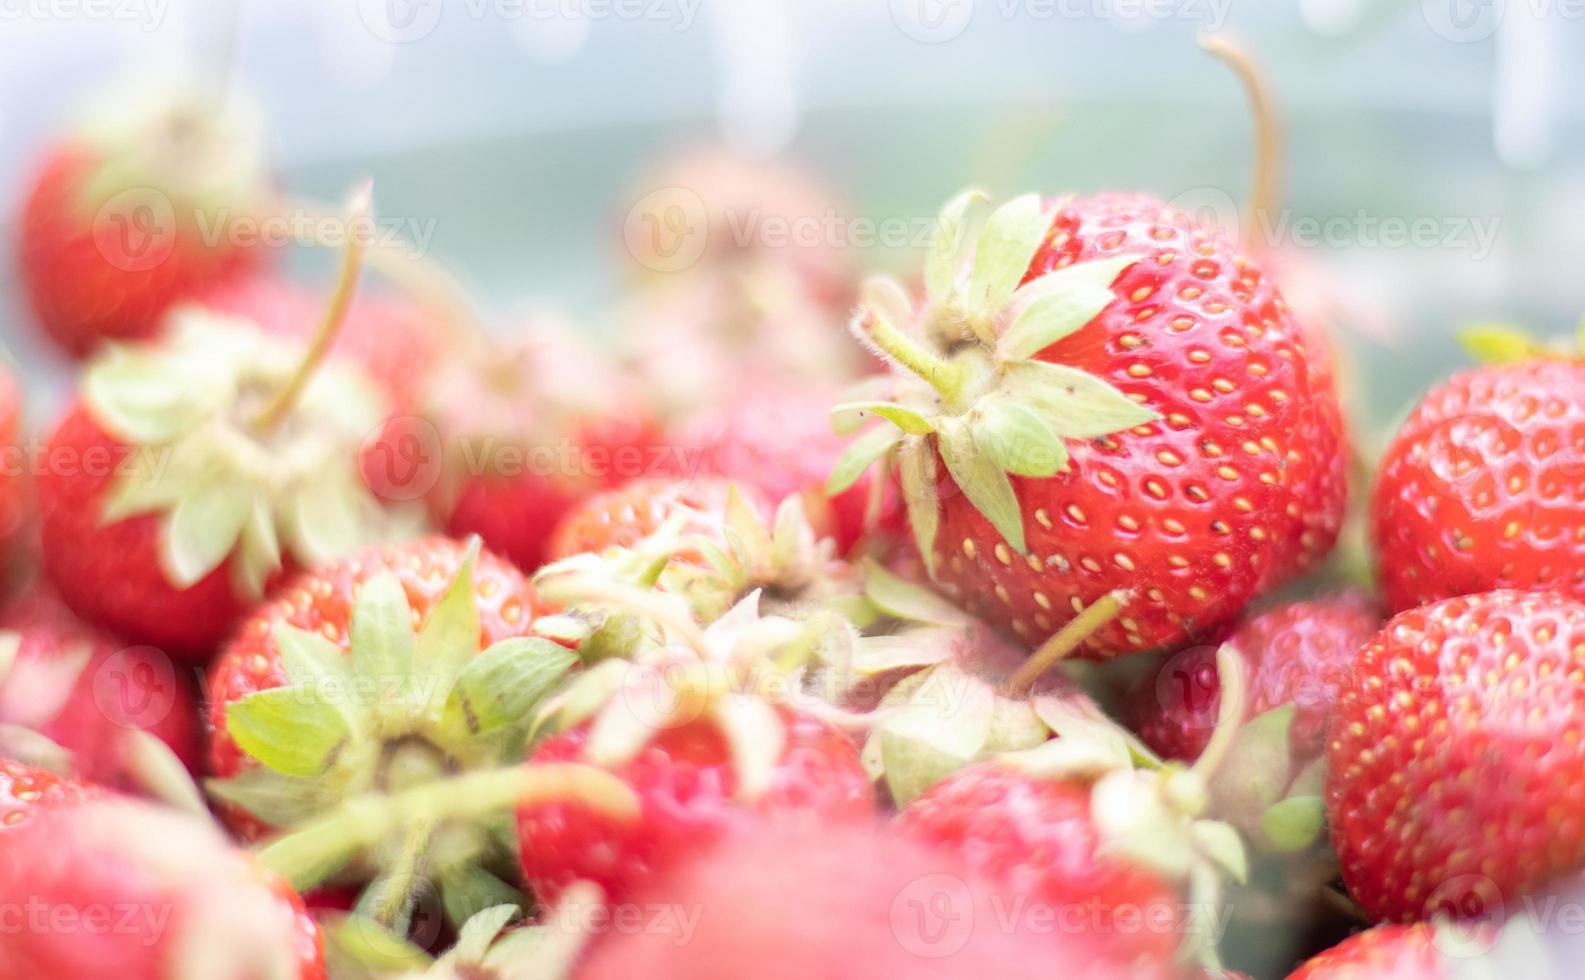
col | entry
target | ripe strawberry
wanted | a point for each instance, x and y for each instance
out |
(844, 903)
(130, 214)
(1019, 831)
(14, 489)
(165, 518)
(763, 435)
(395, 342)
(509, 441)
(706, 728)
(1117, 401)
(114, 887)
(1477, 490)
(78, 689)
(1391, 952)
(1454, 755)
(1298, 656)
(623, 516)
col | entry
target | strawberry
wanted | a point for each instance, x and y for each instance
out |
(705, 727)
(844, 903)
(1454, 755)
(624, 516)
(14, 489)
(75, 695)
(130, 214)
(510, 440)
(1477, 490)
(382, 673)
(1107, 399)
(1298, 655)
(165, 518)
(115, 887)
(1039, 836)
(764, 436)
(1390, 952)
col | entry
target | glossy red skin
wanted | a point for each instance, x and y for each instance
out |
(59, 850)
(1033, 839)
(626, 515)
(1392, 952)
(1297, 653)
(779, 439)
(394, 342)
(110, 574)
(1228, 369)
(119, 690)
(1454, 756)
(1481, 488)
(839, 903)
(321, 601)
(686, 785)
(13, 471)
(78, 295)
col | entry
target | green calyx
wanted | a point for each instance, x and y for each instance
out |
(735, 674)
(398, 709)
(969, 390)
(221, 487)
(176, 148)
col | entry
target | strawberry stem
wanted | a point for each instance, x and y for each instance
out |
(1066, 640)
(308, 856)
(943, 375)
(1268, 133)
(1230, 714)
(329, 325)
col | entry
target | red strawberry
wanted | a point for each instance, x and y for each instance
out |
(82, 691)
(130, 214)
(764, 435)
(1478, 489)
(510, 440)
(1116, 401)
(1454, 755)
(841, 903)
(1038, 837)
(119, 888)
(381, 673)
(395, 342)
(625, 515)
(165, 518)
(1392, 952)
(706, 727)
(13, 465)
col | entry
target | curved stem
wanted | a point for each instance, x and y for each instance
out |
(1230, 715)
(397, 886)
(330, 324)
(943, 375)
(1066, 640)
(307, 856)
(1264, 189)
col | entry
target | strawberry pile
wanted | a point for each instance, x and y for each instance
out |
(347, 633)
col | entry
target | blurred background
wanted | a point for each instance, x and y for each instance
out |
(1431, 173)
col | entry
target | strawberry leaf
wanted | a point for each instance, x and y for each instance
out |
(309, 659)
(451, 636)
(902, 599)
(1498, 343)
(941, 268)
(1007, 244)
(1295, 823)
(982, 481)
(860, 455)
(259, 556)
(1074, 403)
(1016, 438)
(916, 472)
(276, 799)
(902, 416)
(504, 684)
(292, 730)
(1221, 843)
(382, 632)
(1050, 318)
(934, 728)
(202, 530)
(755, 736)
